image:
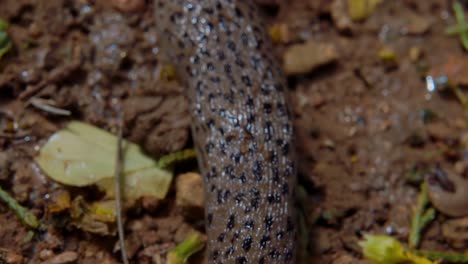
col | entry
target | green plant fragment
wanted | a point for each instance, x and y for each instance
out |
(191, 245)
(383, 249)
(27, 218)
(422, 216)
(5, 41)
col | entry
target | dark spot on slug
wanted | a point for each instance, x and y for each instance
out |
(274, 198)
(229, 170)
(223, 195)
(249, 224)
(210, 66)
(227, 68)
(246, 80)
(247, 243)
(257, 170)
(264, 240)
(274, 254)
(268, 129)
(261, 260)
(230, 223)
(221, 237)
(267, 108)
(229, 251)
(209, 218)
(231, 46)
(268, 222)
(215, 254)
(241, 260)
(280, 235)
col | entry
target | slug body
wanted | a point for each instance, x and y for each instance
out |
(241, 126)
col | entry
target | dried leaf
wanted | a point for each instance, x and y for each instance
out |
(82, 155)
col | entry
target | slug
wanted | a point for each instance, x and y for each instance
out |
(241, 126)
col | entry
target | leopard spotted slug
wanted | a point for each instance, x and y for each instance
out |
(241, 126)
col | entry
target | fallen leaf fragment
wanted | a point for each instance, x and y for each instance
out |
(83, 155)
(383, 249)
(359, 10)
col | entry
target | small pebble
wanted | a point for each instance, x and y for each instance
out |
(46, 254)
(340, 16)
(189, 191)
(303, 58)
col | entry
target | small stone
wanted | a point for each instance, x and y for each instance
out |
(46, 254)
(340, 16)
(150, 204)
(415, 53)
(34, 30)
(10, 257)
(304, 58)
(417, 24)
(439, 131)
(280, 33)
(190, 193)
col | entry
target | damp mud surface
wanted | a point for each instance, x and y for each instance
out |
(368, 130)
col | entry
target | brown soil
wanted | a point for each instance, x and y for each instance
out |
(359, 121)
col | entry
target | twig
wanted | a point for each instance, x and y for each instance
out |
(44, 105)
(421, 217)
(168, 160)
(118, 193)
(56, 75)
(26, 217)
(14, 136)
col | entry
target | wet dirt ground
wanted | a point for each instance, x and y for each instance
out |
(363, 124)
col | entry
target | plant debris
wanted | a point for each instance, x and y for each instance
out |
(361, 9)
(461, 28)
(48, 106)
(383, 249)
(422, 216)
(191, 245)
(81, 155)
(5, 42)
(26, 217)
